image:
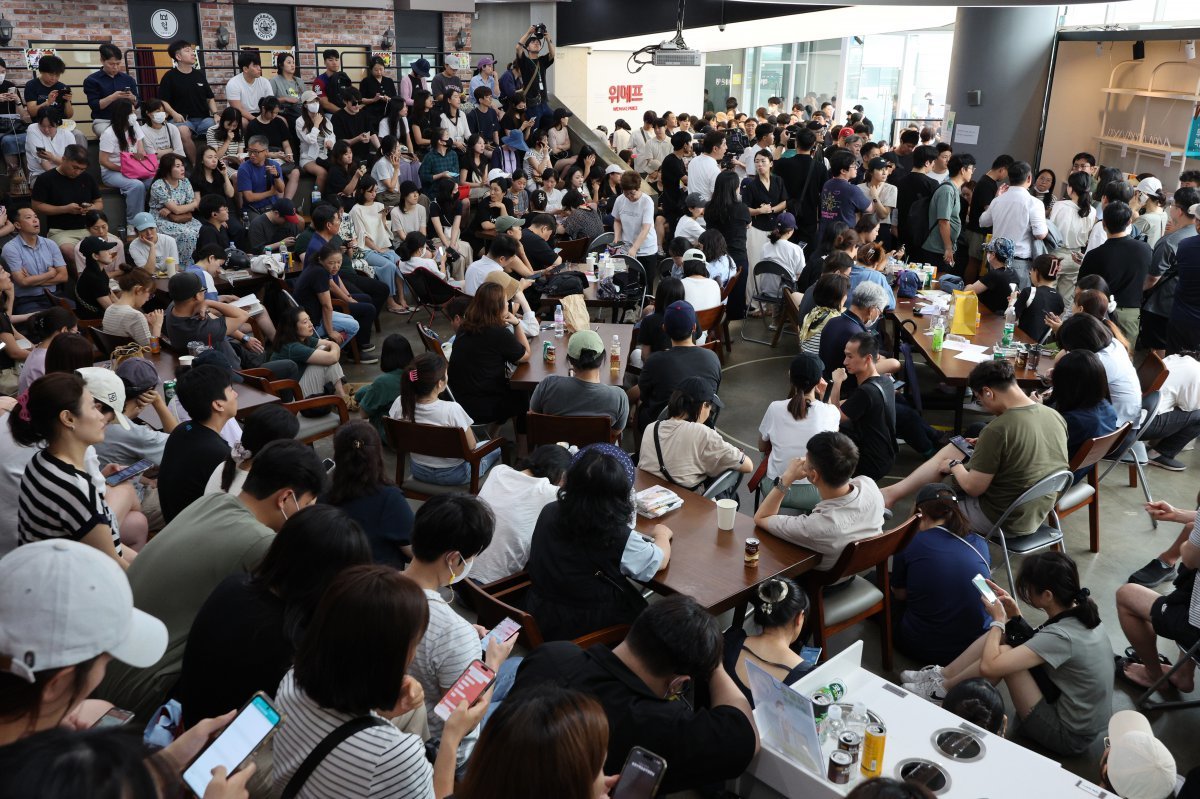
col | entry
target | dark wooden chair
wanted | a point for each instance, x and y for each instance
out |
(312, 428)
(1152, 373)
(709, 321)
(734, 283)
(439, 442)
(494, 602)
(861, 599)
(609, 636)
(546, 428)
(573, 251)
(107, 342)
(1086, 493)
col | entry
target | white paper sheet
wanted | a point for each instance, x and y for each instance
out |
(973, 356)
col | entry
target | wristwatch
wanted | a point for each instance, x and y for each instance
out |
(953, 462)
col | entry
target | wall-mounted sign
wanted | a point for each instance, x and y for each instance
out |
(34, 55)
(264, 25)
(159, 22)
(164, 23)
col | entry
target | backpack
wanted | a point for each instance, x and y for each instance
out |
(919, 226)
(621, 286)
(563, 284)
(908, 284)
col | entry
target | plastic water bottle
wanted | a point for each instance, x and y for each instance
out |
(316, 198)
(833, 726)
(939, 335)
(858, 719)
(614, 354)
(1010, 324)
(558, 321)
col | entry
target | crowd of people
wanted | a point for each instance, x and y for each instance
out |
(248, 566)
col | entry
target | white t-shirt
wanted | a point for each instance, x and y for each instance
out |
(702, 292)
(165, 138)
(477, 272)
(1074, 228)
(442, 414)
(789, 437)
(383, 170)
(940, 177)
(165, 248)
(248, 93)
(633, 216)
(449, 645)
(1124, 390)
(690, 229)
(702, 175)
(108, 140)
(783, 252)
(554, 200)
(213, 486)
(1181, 391)
(517, 500)
(416, 262)
(380, 762)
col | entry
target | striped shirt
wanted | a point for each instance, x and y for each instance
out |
(59, 501)
(449, 645)
(380, 762)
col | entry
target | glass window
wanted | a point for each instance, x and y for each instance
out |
(1180, 10)
(1131, 11)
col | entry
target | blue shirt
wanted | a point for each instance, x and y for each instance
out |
(255, 178)
(479, 80)
(100, 84)
(841, 201)
(35, 260)
(860, 273)
(1086, 423)
(1186, 310)
(200, 273)
(943, 614)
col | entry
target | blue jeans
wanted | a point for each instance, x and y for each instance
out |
(197, 125)
(134, 192)
(506, 677)
(387, 266)
(13, 144)
(342, 323)
(454, 475)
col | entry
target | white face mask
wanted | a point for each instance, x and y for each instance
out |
(158, 117)
(2, 74)
(458, 578)
(133, 120)
(313, 107)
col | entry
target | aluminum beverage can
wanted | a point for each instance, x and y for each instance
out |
(168, 391)
(752, 551)
(874, 738)
(835, 690)
(839, 767)
(850, 742)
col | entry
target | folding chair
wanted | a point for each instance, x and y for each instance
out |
(1125, 452)
(430, 292)
(721, 483)
(1044, 536)
(766, 297)
(1145, 702)
(600, 242)
(634, 266)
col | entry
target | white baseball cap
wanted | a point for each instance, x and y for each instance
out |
(1139, 766)
(496, 173)
(614, 169)
(1150, 185)
(1194, 210)
(107, 388)
(694, 254)
(62, 603)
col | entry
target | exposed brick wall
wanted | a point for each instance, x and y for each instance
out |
(219, 68)
(91, 21)
(452, 22)
(333, 25)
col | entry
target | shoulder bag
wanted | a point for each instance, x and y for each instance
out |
(327, 745)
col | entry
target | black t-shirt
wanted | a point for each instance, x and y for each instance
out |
(535, 85)
(985, 192)
(664, 371)
(999, 286)
(651, 333)
(192, 452)
(187, 94)
(55, 188)
(537, 249)
(313, 281)
(702, 745)
(446, 214)
(211, 234)
(673, 195)
(347, 126)
(236, 647)
(36, 91)
(8, 106)
(484, 211)
(336, 181)
(89, 288)
(276, 132)
(756, 194)
(479, 369)
(6, 361)
(1123, 263)
(1033, 304)
(215, 186)
(794, 172)
(369, 87)
(872, 412)
(913, 186)
(734, 231)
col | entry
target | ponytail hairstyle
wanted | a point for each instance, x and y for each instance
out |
(846, 240)
(268, 423)
(870, 254)
(419, 379)
(1096, 303)
(798, 403)
(413, 243)
(1057, 573)
(132, 277)
(830, 235)
(777, 602)
(977, 700)
(49, 322)
(1046, 265)
(36, 417)
(946, 509)
(1080, 182)
(777, 234)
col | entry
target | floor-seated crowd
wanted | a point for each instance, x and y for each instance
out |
(247, 565)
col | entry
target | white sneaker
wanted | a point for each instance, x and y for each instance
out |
(921, 675)
(930, 691)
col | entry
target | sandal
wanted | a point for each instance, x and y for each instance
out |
(405, 311)
(1131, 656)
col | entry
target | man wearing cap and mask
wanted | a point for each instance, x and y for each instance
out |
(665, 370)
(276, 229)
(582, 393)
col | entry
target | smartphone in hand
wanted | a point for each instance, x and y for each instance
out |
(501, 632)
(253, 724)
(984, 589)
(471, 685)
(963, 446)
(129, 472)
(641, 776)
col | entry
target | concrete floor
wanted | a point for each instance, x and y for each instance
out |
(756, 375)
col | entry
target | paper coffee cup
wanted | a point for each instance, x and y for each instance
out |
(726, 513)
(186, 360)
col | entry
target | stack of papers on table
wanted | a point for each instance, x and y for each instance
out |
(656, 501)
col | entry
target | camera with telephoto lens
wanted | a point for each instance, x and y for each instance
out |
(539, 30)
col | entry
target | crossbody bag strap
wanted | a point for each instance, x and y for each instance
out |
(883, 396)
(327, 745)
(662, 464)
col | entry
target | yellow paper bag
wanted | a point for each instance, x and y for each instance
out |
(966, 310)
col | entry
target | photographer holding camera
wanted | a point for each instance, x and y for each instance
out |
(533, 66)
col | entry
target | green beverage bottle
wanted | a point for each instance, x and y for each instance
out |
(939, 336)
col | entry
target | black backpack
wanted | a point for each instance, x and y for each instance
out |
(917, 225)
(564, 284)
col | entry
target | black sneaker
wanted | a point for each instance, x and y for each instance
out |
(1170, 464)
(367, 348)
(364, 359)
(1153, 573)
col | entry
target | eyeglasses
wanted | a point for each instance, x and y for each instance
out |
(256, 152)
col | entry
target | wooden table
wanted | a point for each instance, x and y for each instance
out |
(708, 564)
(590, 297)
(528, 375)
(951, 369)
(165, 363)
(241, 286)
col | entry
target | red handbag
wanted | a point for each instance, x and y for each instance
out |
(139, 169)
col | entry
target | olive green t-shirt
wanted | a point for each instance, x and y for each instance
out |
(1020, 447)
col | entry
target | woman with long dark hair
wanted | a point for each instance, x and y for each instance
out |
(548, 742)
(727, 213)
(1060, 675)
(375, 398)
(1074, 220)
(1085, 332)
(361, 488)
(1080, 387)
(296, 340)
(979, 702)
(789, 423)
(651, 336)
(92, 292)
(780, 606)
(489, 339)
(42, 328)
(584, 548)
(266, 424)
(422, 122)
(120, 140)
(315, 133)
(226, 137)
(245, 635)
